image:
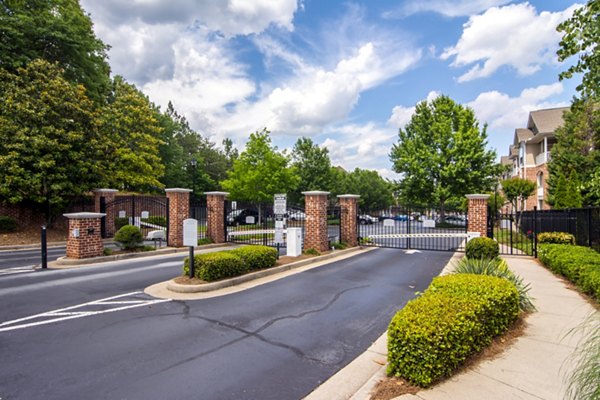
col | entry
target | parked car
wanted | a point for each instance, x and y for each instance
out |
(401, 217)
(458, 220)
(365, 219)
(239, 217)
(385, 216)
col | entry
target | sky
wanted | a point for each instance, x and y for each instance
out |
(345, 74)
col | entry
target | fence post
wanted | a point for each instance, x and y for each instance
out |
(316, 236)
(535, 231)
(348, 219)
(216, 218)
(477, 216)
(179, 209)
(44, 248)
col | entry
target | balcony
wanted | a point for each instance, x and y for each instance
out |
(540, 193)
(542, 158)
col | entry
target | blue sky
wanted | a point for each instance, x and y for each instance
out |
(346, 74)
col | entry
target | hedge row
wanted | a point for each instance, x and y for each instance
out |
(226, 264)
(457, 316)
(556, 238)
(581, 265)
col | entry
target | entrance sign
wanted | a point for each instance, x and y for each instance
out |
(190, 232)
(278, 229)
(280, 204)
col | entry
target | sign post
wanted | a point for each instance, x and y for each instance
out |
(190, 238)
(279, 209)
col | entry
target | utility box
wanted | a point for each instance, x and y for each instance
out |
(294, 242)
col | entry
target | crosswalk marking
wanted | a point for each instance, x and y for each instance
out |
(67, 313)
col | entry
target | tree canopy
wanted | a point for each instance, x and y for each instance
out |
(375, 192)
(517, 190)
(312, 165)
(442, 154)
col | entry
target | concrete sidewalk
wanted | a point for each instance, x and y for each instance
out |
(534, 367)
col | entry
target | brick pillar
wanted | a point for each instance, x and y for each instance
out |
(179, 209)
(215, 208)
(315, 236)
(84, 238)
(348, 219)
(109, 198)
(478, 217)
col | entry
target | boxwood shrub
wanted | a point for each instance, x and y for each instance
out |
(256, 257)
(556, 237)
(456, 317)
(580, 265)
(129, 237)
(7, 224)
(482, 247)
(214, 266)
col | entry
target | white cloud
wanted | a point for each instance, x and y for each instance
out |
(505, 113)
(448, 8)
(401, 115)
(514, 35)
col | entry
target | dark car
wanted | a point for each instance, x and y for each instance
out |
(240, 217)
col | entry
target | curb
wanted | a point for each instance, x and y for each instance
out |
(209, 287)
(36, 246)
(64, 261)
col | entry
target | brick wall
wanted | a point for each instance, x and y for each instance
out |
(348, 219)
(316, 232)
(179, 209)
(89, 243)
(215, 203)
(478, 213)
(531, 174)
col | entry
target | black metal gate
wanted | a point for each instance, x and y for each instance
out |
(199, 212)
(406, 228)
(149, 213)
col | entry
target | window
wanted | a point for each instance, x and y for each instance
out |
(540, 180)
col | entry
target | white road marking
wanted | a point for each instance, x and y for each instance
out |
(17, 270)
(413, 251)
(64, 314)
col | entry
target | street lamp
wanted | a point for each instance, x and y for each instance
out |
(193, 164)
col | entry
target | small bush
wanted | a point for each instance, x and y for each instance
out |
(339, 246)
(312, 252)
(556, 238)
(584, 381)
(107, 252)
(7, 224)
(256, 257)
(581, 265)
(205, 240)
(482, 247)
(121, 222)
(456, 317)
(214, 266)
(496, 267)
(156, 220)
(129, 237)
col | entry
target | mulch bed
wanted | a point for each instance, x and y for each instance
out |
(33, 236)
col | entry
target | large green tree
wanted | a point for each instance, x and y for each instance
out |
(57, 31)
(260, 171)
(516, 191)
(49, 142)
(581, 35)
(442, 154)
(313, 167)
(375, 192)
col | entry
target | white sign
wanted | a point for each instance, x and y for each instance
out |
(122, 214)
(428, 223)
(190, 232)
(234, 205)
(389, 222)
(145, 214)
(250, 220)
(280, 204)
(278, 224)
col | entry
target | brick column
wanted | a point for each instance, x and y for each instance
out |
(315, 236)
(215, 208)
(478, 213)
(348, 219)
(179, 209)
(109, 198)
(84, 238)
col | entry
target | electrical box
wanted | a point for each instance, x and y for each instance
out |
(294, 242)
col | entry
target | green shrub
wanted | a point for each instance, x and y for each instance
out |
(581, 265)
(456, 317)
(482, 247)
(121, 222)
(339, 246)
(556, 238)
(156, 220)
(129, 237)
(584, 380)
(256, 257)
(214, 266)
(7, 224)
(312, 252)
(205, 240)
(496, 267)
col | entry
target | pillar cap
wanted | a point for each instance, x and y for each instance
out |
(348, 196)
(217, 193)
(178, 190)
(84, 215)
(105, 190)
(477, 196)
(315, 193)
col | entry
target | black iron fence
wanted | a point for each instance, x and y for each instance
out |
(199, 212)
(149, 213)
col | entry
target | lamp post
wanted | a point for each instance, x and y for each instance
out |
(193, 164)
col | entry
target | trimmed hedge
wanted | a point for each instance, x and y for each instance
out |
(457, 316)
(581, 265)
(556, 237)
(482, 247)
(7, 224)
(256, 257)
(129, 237)
(214, 266)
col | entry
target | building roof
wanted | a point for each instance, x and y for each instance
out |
(546, 121)
(522, 135)
(514, 151)
(505, 160)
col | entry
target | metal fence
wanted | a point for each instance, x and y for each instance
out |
(199, 212)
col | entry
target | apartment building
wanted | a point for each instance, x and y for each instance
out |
(530, 152)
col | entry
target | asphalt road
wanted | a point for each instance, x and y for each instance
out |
(276, 341)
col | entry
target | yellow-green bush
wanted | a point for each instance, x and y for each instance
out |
(482, 247)
(256, 257)
(214, 266)
(456, 317)
(556, 238)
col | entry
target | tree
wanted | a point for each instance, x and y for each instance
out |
(259, 172)
(441, 154)
(516, 191)
(131, 132)
(375, 192)
(313, 167)
(57, 31)
(581, 35)
(567, 192)
(49, 142)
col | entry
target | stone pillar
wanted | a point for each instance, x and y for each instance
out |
(315, 236)
(179, 209)
(478, 217)
(84, 238)
(109, 198)
(215, 209)
(348, 219)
